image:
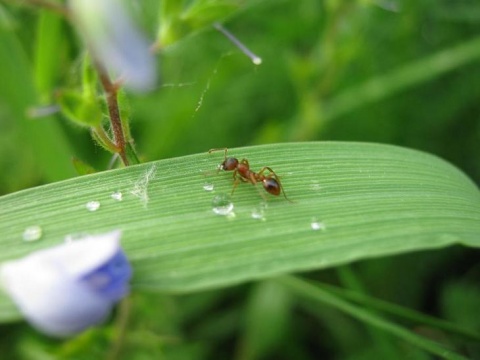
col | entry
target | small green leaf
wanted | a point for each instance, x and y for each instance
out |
(81, 167)
(46, 138)
(202, 13)
(48, 47)
(79, 109)
(351, 201)
(89, 78)
(178, 21)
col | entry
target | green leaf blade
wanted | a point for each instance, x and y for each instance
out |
(373, 200)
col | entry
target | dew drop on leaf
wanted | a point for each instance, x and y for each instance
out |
(315, 224)
(258, 213)
(92, 205)
(117, 195)
(208, 187)
(221, 205)
(32, 233)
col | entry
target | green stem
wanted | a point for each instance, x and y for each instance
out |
(46, 4)
(401, 312)
(121, 325)
(309, 291)
(349, 280)
(103, 139)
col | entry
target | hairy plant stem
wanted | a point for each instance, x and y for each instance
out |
(111, 92)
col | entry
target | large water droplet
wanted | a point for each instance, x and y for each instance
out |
(32, 233)
(117, 195)
(92, 205)
(208, 187)
(221, 204)
(315, 224)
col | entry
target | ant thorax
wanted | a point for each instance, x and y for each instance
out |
(243, 168)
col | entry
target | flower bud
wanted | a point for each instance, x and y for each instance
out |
(115, 42)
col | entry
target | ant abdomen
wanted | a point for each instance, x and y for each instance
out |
(271, 186)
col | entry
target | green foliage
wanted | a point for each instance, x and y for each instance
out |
(180, 19)
(332, 70)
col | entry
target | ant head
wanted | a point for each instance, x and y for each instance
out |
(229, 164)
(272, 186)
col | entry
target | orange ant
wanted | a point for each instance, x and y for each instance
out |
(241, 171)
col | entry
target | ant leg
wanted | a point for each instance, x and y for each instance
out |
(254, 181)
(276, 177)
(235, 181)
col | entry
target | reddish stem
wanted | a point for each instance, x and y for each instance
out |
(50, 5)
(111, 91)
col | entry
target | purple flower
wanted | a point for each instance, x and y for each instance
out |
(68, 288)
(115, 42)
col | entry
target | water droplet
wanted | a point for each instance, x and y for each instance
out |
(117, 195)
(317, 225)
(221, 205)
(208, 187)
(69, 238)
(32, 233)
(92, 205)
(258, 213)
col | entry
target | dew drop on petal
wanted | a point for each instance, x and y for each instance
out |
(117, 195)
(315, 224)
(92, 205)
(32, 233)
(208, 187)
(221, 205)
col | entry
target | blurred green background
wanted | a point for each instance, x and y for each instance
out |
(332, 70)
(398, 72)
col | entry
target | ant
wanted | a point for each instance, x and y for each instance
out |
(241, 171)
